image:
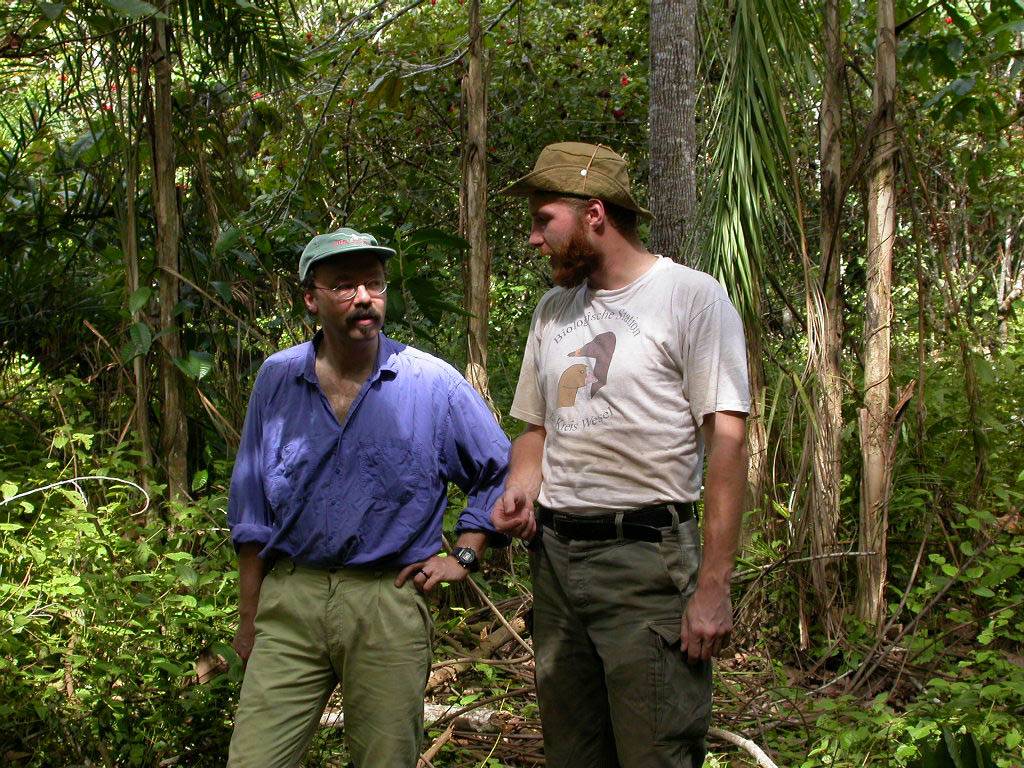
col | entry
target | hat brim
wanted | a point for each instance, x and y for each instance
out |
(546, 180)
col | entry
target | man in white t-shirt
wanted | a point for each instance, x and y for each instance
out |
(634, 366)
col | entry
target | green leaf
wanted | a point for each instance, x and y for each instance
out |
(1013, 26)
(142, 337)
(223, 290)
(53, 11)
(196, 365)
(199, 479)
(8, 490)
(133, 9)
(187, 574)
(139, 298)
(179, 556)
(227, 239)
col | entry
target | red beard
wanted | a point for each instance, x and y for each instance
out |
(576, 262)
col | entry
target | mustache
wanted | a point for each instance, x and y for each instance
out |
(367, 314)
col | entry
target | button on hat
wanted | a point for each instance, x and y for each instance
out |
(344, 240)
(580, 170)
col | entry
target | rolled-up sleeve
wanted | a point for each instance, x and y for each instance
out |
(476, 459)
(248, 511)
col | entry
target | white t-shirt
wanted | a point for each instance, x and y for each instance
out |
(622, 379)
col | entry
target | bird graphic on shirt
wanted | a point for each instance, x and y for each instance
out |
(573, 379)
(601, 348)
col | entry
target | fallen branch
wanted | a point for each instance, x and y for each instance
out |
(468, 718)
(439, 742)
(484, 651)
(755, 751)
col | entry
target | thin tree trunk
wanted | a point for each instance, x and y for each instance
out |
(826, 462)
(673, 92)
(473, 208)
(173, 427)
(876, 417)
(758, 472)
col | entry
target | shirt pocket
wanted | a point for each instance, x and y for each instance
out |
(394, 470)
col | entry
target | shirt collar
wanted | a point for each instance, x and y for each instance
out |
(385, 367)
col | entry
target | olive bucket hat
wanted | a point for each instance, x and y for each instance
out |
(344, 240)
(580, 170)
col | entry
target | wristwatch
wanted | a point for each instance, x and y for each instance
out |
(467, 558)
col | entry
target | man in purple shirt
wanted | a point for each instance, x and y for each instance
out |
(336, 508)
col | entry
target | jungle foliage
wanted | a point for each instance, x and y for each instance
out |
(117, 605)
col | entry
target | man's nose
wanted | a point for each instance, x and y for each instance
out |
(362, 295)
(536, 241)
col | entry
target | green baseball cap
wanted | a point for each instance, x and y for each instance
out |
(579, 170)
(344, 240)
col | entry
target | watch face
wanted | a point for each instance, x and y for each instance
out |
(466, 557)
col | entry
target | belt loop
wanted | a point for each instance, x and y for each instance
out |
(618, 525)
(675, 516)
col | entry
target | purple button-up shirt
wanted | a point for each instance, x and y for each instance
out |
(371, 491)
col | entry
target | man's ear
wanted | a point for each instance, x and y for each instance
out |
(309, 298)
(595, 214)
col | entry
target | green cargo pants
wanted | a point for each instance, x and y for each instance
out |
(613, 687)
(316, 629)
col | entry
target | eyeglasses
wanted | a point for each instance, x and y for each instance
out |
(348, 291)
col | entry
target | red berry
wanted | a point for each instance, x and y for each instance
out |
(949, 19)
(442, 88)
(619, 113)
(433, 2)
(258, 95)
(309, 35)
(511, 41)
(624, 80)
(105, 107)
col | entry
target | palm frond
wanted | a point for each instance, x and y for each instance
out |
(750, 189)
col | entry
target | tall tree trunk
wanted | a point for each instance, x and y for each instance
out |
(826, 462)
(673, 93)
(173, 426)
(876, 417)
(473, 208)
(128, 229)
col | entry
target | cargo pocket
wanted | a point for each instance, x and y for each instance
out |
(682, 691)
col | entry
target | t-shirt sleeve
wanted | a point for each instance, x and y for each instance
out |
(715, 361)
(528, 404)
(249, 514)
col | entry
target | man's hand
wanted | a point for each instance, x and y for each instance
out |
(244, 638)
(513, 513)
(707, 623)
(427, 574)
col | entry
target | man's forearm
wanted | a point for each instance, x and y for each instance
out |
(724, 493)
(524, 461)
(250, 579)
(475, 540)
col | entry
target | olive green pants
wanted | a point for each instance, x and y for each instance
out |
(613, 686)
(316, 629)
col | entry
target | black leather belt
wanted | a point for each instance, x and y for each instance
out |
(637, 524)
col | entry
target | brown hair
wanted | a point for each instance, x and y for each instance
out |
(623, 219)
